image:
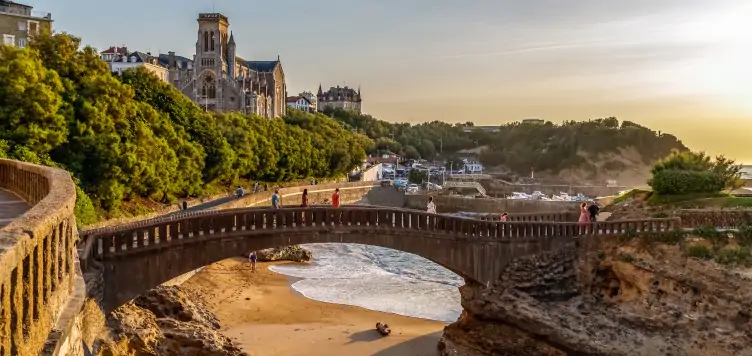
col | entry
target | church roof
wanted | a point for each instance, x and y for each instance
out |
(262, 66)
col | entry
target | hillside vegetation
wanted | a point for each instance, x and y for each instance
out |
(593, 146)
(132, 137)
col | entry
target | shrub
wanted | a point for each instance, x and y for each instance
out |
(677, 182)
(700, 251)
(739, 256)
(84, 209)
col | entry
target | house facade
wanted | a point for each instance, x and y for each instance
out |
(300, 103)
(19, 23)
(119, 59)
(339, 98)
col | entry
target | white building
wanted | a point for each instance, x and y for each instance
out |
(300, 103)
(473, 167)
(119, 60)
(311, 98)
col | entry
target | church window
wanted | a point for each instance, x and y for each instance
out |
(212, 40)
(212, 92)
(206, 41)
(203, 91)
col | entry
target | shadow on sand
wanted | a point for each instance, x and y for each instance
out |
(426, 345)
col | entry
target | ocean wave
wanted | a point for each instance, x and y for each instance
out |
(379, 279)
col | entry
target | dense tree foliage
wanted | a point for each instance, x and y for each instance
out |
(694, 172)
(518, 146)
(132, 135)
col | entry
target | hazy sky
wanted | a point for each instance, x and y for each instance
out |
(681, 66)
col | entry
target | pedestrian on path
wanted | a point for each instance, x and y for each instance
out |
(275, 199)
(335, 198)
(504, 217)
(584, 219)
(593, 210)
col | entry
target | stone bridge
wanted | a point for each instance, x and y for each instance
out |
(42, 287)
(130, 261)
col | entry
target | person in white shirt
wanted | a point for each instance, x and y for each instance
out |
(431, 207)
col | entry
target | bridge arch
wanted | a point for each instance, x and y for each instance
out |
(136, 259)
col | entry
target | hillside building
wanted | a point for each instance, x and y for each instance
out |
(19, 23)
(339, 98)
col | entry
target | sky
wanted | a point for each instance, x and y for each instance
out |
(678, 66)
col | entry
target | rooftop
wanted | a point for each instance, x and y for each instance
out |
(17, 9)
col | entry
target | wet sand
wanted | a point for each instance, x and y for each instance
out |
(266, 317)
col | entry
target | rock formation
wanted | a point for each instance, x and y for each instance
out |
(287, 253)
(607, 298)
(165, 321)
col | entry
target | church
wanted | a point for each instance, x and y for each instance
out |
(219, 80)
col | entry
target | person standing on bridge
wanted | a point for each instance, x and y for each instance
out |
(431, 207)
(304, 199)
(584, 219)
(593, 209)
(504, 217)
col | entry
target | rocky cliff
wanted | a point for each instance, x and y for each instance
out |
(165, 321)
(607, 298)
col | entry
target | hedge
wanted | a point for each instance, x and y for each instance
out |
(674, 182)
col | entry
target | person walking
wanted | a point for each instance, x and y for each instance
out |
(431, 207)
(504, 217)
(239, 192)
(335, 198)
(275, 199)
(185, 205)
(252, 258)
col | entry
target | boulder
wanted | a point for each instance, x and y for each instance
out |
(294, 253)
(165, 321)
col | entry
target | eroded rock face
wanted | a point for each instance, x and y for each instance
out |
(294, 253)
(165, 321)
(606, 300)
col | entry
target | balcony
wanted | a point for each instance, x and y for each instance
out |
(22, 11)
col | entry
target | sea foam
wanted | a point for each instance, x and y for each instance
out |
(379, 279)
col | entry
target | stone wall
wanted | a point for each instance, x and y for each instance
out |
(732, 218)
(317, 194)
(453, 204)
(38, 280)
(496, 188)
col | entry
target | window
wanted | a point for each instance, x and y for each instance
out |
(22, 42)
(206, 41)
(33, 27)
(9, 40)
(22, 25)
(212, 40)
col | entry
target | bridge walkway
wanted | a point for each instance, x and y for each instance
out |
(11, 207)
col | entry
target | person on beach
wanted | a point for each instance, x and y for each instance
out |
(335, 198)
(275, 199)
(252, 258)
(504, 217)
(593, 209)
(431, 207)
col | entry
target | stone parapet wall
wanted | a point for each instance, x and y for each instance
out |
(317, 194)
(37, 259)
(453, 204)
(731, 218)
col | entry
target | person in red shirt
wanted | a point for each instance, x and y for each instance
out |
(335, 198)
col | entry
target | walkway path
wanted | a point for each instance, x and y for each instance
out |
(11, 207)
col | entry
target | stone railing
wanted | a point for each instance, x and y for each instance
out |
(39, 276)
(731, 218)
(263, 221)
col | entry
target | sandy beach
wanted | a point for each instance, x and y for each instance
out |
(266, 317)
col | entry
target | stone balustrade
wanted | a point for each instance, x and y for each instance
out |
(38, 265)
(724, 219)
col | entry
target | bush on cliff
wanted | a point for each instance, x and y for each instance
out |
(694, 172)
(134, 136)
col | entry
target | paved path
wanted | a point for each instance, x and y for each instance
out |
(11, 207)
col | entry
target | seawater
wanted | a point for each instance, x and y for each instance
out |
(379, 279)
